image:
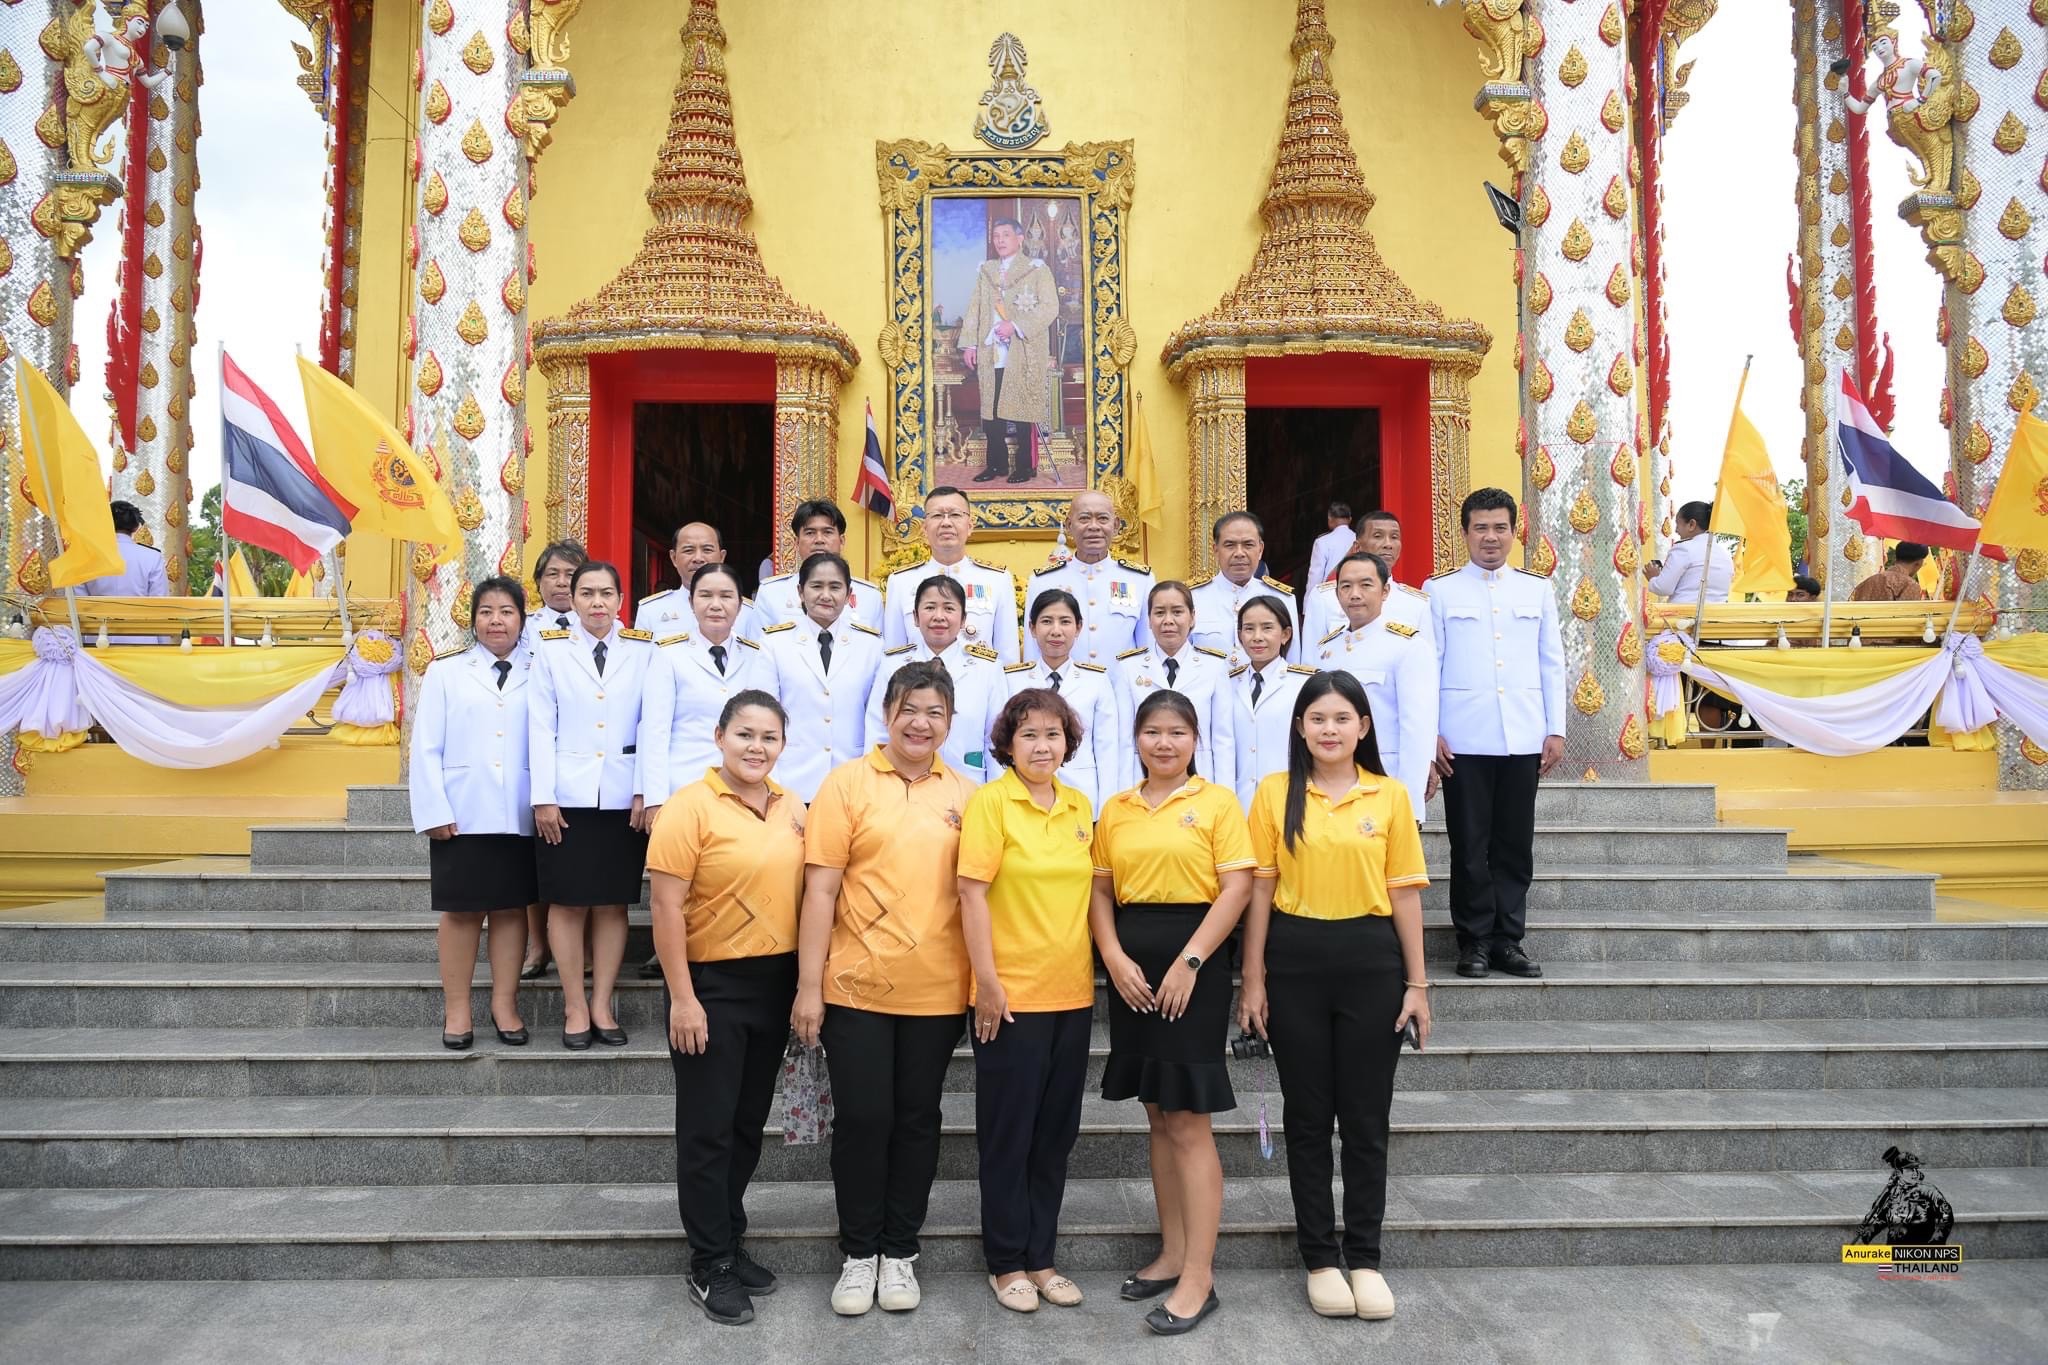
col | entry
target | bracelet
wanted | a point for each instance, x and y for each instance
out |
(1416, 985)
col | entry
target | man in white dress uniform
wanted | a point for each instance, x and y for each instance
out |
(1111, 591)
(991, 591)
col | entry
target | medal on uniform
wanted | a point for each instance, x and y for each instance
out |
(1144, 681)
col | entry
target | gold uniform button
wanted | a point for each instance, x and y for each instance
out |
(600, 753)
(1496, 635)
(501, 734)
(1501, 690)
(600, 725)
(600, 696)
(1498, 664)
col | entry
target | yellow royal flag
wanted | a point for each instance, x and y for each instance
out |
(2017, 516)
(300, 586)
(1151, 507)
(62, 478)
(241, 583)
(1747, 503)
(368, 463)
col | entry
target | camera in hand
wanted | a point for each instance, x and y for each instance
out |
(1248, 1045)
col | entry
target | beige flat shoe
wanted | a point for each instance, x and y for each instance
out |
(1329, 1295)
(1019, 1296)
(1060, 1292)
(1375, 1300)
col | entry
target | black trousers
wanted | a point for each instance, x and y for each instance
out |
(723, 1095)
(887, 1072)
(1490, 810)
(999, 432)
(1334, 990)
(1027, 1113)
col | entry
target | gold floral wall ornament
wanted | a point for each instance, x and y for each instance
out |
(440, 17)
(513, 292)
(1631, 741)
(2019, 306)
(1578, 333)
(1572, 70)
(1977, 444)
(1537, 211)
(2030, 565)
(1974, 359)
(437, 104)
(1584, 515)
(2023, 393)
(429, 378)
(471, 326)
(1539, 294)
(1544, 560)
(2011, 134)
(1618, 290)
(1589, 697)
(512, 476)
(469, 508)
(2005, 51)
(1542, 470)
(434, 194)
(469, 418)
(1541, 384)
(1575, 155)
(512, 387)
(2015, 221)
(1615, 200)
(475, 231)
(1577, 243)
(513, 210)
(422, 562)
(476, 143)
(1582, 426)
(1613, 113)
(1622, 468)
(1612, 27)
(477, 54)
(433, 285)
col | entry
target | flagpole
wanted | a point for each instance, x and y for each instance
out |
(348, 633)
(227, 549)
(35, 439)
(1699, 613)
(1827, 575)
(1963, 586)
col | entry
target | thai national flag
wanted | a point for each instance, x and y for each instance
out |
(271, 491)
(1888, 497)
(871, 490)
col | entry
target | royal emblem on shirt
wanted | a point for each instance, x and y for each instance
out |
(1188, 820)
(1081, 833)
(1365, 826)
(953, 817)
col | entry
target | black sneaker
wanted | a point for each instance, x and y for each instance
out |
(755, 1278)
(723, 1297)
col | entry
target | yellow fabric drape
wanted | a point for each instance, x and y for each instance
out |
(1812, 672)
(204, 676)
(365, 736)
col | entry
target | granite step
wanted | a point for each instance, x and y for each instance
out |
(1777, 1054)
(437, 1139)
(1754, 848)
(384, 1233)
(231, 885)
(407, 995)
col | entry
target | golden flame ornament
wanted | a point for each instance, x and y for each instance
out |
(2011, 134)
(512, 474)
(1537, 211)
(471, 326)
(422, 562)
(1585, 600)
(145, 484)
(1539, 294)
(1588, 697)
(469, 508)
(477, 55)
(34, 575)
(1632, 744)
(1572, 70)
(1577, 243)
(1544, 560)
(2019, 306)
(469, 418)
(476, 143)
(1542, 472)
(429, 379)
(1977, 444)
(1612, 29)
(513, 294)
(1622, 468)
(2015, 221)
(1613, 113)
(2005, 50)
(438, 104)
(1621, 376)
(434, 194)
(1578, 333)
(2023, 394)
(1582, 426)
(1584, 514)
(1575, 155)
(1540, 382)
(474, 232)
(1618, 289)
(433, 285)
(1615, 201)
(1975, 359)
(1629, 648)
(1625, 555)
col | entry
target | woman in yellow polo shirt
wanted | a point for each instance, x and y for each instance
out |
(882, 977)
(1333, 975)
(1025, 872)
(726, 866)
(1172, 874)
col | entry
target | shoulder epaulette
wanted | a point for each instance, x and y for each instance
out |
(554, 635)
(1212, 653)
(778, 626)
(750, 644)
(636, 635)
(1412, 592)
(1204, 581)
(1533, 574)
(863, 583)
(1018, 668)
(1135, 565)
(1445, 574)
(1239, 669)
(1051, 565)
(777, 579)
(746, 601)
(1092, 668)
(866, 629)
(983, 652)
(673, 639)
(1303, 669)
(1277, 585)
(1333, 635)
(1129, 653)
(993, 568)
(900, 649)
(656, 596)
(454, 653)
(1400, 628)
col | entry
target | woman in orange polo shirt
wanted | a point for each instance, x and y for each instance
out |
(1172, 873)
(726, 866)
(882, 978)
(1024, 879)
(1333, 975)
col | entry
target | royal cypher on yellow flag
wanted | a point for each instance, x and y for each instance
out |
(1747, 503)
(369, 463)
(61, 475)
(2017, 516)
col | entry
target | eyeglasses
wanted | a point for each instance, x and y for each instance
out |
(948, 515)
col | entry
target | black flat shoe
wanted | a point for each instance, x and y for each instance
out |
(1515, 962)
(534, 971)
(610, 1037)
(1165, 1324)
(988, 475)
(457, 1042)
(1473, 965)
(1023, 476)
(576, 1042)
(1135, 1289)
(511, 1037)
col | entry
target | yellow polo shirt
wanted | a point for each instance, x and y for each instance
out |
(1171, 855)
(745, 870)
(1039, 872)
(1350, 851)
(896, 942)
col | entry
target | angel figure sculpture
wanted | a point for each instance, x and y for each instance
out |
(99, 71)
(549, 27)
(1919, 99)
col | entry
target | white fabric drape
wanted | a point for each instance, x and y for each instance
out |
(367, 699)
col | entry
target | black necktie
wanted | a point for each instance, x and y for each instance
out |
(504, 667)
(1055, 680)
(825, 650)
(598, 655)
(718, 658)
(1172, 671)
(1258, 686)
(561, 623)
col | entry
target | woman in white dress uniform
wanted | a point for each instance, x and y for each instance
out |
(1264, 691)
(1397, 664)
(979, 687)
(471, 796)
(693, 676)
(824, 665)
(583, 723)
(1196, 672)
(1054, 624)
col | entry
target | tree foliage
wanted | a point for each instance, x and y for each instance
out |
(1794, 493)
(273, 573)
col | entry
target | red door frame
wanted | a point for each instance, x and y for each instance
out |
(617, 382)
(1399, 389)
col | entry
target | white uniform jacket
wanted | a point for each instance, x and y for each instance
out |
(1330, 547)
(778, 600)
(1502, 665)
(584, 728)
(828, 711)
(991, 605)
(1398, 668)
(1204, 679)
(1105, 727)
(1216, 602)
(1263, 729)
(665, 613)
(1112, 595)
(979, 691)
(544, 619)
(1324, 613)
(1680, 579)
(469, 737)
(679, 710)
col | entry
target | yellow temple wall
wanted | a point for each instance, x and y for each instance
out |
(1199, 86)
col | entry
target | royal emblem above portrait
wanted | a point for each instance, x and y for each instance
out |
(1007, 336)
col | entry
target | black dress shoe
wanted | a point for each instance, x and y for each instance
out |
(1472, 964)
(515, 1037)
(988, 475)
(576, 1042)
(610, 1037)
(1514, 961)
(1165, 1324)
(1136, 1289)
(1023, 476)
(534, 971)
(457, 1042)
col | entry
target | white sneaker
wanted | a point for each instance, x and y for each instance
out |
(855, 1292)
(899, 1292)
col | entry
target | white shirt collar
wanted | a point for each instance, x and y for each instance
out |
(1487, 575)
(1186, 654)
(584, 637)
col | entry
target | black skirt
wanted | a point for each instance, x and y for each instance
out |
(473, 874)
(1178, 1066)
(600, 861)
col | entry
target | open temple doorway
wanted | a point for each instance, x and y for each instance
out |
(1297, 462)
(709, 462)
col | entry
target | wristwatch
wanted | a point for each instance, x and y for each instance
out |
(1194, 961)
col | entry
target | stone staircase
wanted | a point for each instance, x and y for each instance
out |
(234, 1072)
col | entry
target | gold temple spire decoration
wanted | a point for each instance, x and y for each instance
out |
(698, 280)
(1317, 272)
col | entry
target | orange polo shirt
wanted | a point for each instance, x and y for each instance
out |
(1350, 851)
(896, 941)
(745, 870)
(1037, 866)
